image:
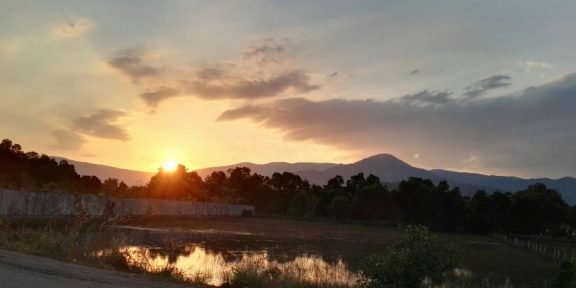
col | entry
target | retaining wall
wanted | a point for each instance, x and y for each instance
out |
(44, 204)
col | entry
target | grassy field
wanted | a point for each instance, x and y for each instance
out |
(484, 258)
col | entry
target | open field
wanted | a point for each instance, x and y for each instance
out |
(201, 245)
(483, 257)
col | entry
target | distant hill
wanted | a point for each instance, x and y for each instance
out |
(269, 168)
(387, 167)
(566, 185)
(130, 177)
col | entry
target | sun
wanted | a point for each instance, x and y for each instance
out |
(170, 165)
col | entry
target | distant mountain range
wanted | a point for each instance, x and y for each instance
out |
(387, 167)
(130, 177)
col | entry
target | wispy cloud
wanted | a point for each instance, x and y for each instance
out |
(133, 64)
(480, 88)
(158, 95)
(105, 123)
(264, 71)
(531, 65)
(67, 140)
(217, 88)
(427, 98)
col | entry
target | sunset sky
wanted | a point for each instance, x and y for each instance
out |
(484, 86)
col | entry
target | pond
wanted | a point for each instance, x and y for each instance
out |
(211, 256)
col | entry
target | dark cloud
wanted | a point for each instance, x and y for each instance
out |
(103, 124)
(481, 87)
(530, 132)
(67, 140)
(427, 98)
(132, 64)
(152, 98)
(297, 81)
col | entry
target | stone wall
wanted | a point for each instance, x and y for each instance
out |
(44, 204)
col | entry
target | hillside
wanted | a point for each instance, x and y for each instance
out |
(130, 177)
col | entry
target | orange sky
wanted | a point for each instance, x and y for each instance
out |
(215, 83)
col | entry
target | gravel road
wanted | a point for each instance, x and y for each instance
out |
(24, 271)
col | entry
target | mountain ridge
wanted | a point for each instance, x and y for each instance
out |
(387, 167)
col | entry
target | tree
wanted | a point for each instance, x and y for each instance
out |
(369, 201)
(339, 208)
(538, 209)
(286, 185)
(91, 184)
(177, 184)
(303, 205)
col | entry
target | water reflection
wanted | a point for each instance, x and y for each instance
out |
(194, 263)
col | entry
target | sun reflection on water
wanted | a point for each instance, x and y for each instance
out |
(198, 263)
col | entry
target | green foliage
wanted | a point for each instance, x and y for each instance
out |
(565, 277)
(538, 210)
(419, 256)
(303, 205)
(339, 208)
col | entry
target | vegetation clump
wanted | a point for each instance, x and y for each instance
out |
(419, 259)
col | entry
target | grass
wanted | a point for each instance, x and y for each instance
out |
(484, 261)
(492, 262)
(487, 261)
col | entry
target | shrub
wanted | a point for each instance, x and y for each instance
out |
(418, 258)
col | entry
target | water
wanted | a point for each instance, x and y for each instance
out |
(193, 262)
(211, 255)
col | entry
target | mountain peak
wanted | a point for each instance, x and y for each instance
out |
(383, 158)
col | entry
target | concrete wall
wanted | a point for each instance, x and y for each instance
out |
(35, 204)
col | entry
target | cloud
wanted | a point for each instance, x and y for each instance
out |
(271, 52)
(103, 124)
(480, 88)
(67, 140)
(529, 132)
(263, 71)
(427, 98)
(72, 29)
(133, 65)
(154, 97)
(530, 65)
(297, 81)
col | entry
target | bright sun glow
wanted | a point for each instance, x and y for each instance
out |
(170, 165)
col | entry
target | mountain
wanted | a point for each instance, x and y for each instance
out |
(566, 185)
(269, 168)
(130, 177)
(387, 167)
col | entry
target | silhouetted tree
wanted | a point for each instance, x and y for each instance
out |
(177, 184)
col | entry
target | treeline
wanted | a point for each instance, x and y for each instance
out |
(535, 210)
(30, 171)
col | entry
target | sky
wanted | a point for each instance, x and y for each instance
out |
(480, 86)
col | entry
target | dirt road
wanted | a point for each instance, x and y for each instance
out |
(24, 271)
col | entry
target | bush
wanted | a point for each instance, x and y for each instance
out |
(418, 258)
(565, 277)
